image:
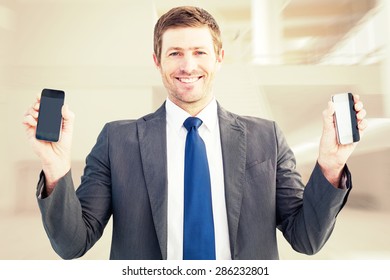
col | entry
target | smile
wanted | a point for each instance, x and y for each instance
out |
(189, 80)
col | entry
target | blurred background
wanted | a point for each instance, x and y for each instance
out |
(283, 61)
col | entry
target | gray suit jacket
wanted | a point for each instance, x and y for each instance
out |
(126, 177)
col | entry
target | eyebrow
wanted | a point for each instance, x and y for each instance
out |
(181, 49)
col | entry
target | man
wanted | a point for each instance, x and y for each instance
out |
(137, 169)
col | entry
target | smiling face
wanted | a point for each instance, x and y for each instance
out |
(188, 65)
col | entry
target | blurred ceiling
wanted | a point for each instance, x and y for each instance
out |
(322, 23)
(283, 31)
(306, 30)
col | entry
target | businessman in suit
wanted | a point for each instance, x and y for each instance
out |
(135, 171)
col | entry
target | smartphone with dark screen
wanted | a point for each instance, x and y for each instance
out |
(345, 118)
(50, 116)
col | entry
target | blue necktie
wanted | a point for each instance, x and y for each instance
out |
(199, 240)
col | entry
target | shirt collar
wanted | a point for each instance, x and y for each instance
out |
(209, 115)
(176, 115)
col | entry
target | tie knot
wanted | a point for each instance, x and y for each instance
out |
(192, 122)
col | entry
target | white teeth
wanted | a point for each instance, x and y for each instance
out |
(188, 80)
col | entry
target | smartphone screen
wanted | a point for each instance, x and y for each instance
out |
(50, 117)
(345, 118)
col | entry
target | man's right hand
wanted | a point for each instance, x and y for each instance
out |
(55, 156)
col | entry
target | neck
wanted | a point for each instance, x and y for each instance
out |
(193, 108)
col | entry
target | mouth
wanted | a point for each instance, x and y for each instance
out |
(188, 80)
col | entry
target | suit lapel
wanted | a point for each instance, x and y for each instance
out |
(233, 143)
(152, 141)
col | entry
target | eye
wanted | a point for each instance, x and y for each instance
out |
(174, 54)
(200, 53)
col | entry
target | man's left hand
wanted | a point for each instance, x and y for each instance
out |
(332, 155)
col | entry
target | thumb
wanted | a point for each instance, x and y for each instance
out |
(68, 118)
(328, 115)
(65, 112)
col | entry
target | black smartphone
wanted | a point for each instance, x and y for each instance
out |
(345, 118)
(50, 116)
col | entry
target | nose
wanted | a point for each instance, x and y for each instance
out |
(188, 64)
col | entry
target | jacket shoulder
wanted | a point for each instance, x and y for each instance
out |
(250, 122)
(132, 123)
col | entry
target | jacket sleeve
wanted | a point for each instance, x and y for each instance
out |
(306, 214)
(75, 220)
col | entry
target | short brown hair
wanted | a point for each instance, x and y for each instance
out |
(186, 16)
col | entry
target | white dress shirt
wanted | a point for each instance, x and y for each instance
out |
(176, 138)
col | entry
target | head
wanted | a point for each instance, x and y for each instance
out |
(188, 52)
(186, 16)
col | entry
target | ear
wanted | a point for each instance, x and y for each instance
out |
(221, 56)
(220, 59)
(155, 59)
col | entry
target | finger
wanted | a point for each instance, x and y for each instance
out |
(34, 113)
(358, 106)
(363, 124)
(36, 106)
(29, 121)
(29, 111)
(37, 99)
(361, 114)
(356, 98)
